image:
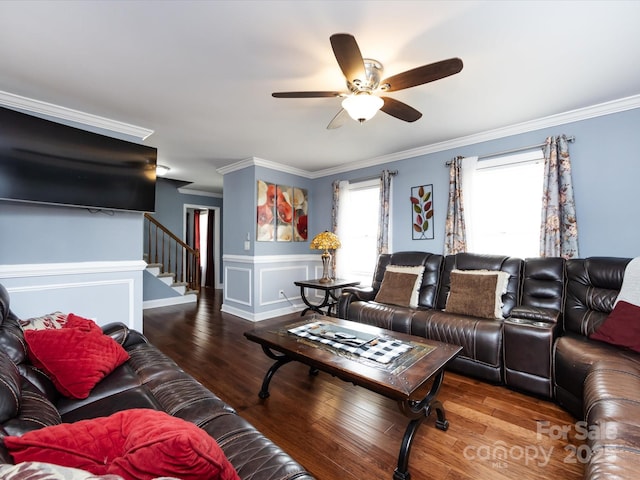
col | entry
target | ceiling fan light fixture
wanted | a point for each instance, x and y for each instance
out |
(362, 107)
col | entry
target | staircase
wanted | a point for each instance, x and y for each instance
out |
(171, 260)
(169, 279)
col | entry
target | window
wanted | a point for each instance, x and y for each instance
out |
(503, 205)
(358, 230)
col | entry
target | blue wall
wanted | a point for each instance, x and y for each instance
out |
(170, 204)
(605, 169)
(240, 191)
(73, 260)
(33, 233)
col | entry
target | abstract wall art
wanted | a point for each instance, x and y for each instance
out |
(281, 213)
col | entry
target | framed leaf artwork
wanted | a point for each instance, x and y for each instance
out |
(422, 212)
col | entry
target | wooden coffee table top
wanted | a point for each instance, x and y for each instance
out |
(404, 378)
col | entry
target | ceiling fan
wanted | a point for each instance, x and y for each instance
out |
(363, 77)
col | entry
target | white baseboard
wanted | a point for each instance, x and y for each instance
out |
(258, 317)
(166, 302)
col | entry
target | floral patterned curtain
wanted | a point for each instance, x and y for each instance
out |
(335, 208)
(335, 205)
(383, 219)
(455, 232)
(559, 228)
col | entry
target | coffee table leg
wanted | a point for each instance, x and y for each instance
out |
(418, 411)
(280, 359)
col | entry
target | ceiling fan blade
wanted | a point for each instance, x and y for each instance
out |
(341, 117)
(305, 94)
(400, 110)
(421, 75)
(348, 55)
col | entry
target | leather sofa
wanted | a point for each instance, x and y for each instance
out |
(149, 380)
(480, 339)
(541, 347)
(596, 381)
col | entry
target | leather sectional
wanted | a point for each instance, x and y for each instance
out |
(541, 346)
(148, 380)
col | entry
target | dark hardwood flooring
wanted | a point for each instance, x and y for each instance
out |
(340, 431)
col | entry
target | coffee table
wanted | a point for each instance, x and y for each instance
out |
(413, 378)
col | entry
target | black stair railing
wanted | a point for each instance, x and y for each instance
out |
(163, 247)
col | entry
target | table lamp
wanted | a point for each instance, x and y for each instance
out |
(325, 241)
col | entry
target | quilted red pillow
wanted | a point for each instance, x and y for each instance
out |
(137, 444)
(75, 357)
(621, 327)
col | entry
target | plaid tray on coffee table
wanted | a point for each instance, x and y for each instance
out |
(380, 349)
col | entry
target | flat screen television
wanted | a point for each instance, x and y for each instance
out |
(47, 162)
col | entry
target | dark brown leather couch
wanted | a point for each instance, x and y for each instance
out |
(595, 381)
(516, 351)
(542, 347)
(534, 325)
(480, 339)
(149, 379)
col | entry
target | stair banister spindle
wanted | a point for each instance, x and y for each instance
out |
(198, 269)
(182, 272)
(169, 268)
(193, 267)
(162, 256)
(156, 246)
(175, 258)
(188, 265)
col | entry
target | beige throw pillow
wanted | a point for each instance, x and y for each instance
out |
(400, 286)
(477, 293)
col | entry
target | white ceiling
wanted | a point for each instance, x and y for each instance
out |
(200, 73)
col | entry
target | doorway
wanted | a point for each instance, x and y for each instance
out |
(201, 227)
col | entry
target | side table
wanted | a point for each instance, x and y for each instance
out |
(329, 288)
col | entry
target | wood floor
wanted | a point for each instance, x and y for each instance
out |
(342, 432)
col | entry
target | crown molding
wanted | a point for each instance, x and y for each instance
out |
(260, 162)
(599, 110)
(17, 102)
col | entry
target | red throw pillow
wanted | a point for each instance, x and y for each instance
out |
(137, 444)
(621, 327)
(75, 357)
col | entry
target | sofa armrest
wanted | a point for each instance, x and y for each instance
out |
(123, 335)
(353, 294)
(364, 294)
(536, 314)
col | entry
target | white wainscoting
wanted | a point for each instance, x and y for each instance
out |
(252, 284)
(240, 285)
(103, 291)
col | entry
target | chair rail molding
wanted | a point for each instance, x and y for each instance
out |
(47, 269)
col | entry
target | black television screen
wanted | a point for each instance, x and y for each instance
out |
(48, 162)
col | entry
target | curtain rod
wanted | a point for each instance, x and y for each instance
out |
(393, 173)
(515, 150)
